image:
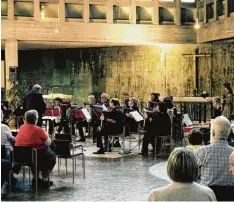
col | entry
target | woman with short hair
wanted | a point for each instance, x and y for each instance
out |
(31, 135)
(182, 169)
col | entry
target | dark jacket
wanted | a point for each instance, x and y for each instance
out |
(160, 125)
(34, 100)
(117, 115)
(133, 125)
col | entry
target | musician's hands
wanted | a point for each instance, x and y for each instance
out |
(128, 115)
(102, 117)
(146, 115)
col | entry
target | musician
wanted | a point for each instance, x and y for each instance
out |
(94, 119)
(113, 124)
(34, 100)
(129, 120)
(104, 100)
(62, 122)
(125, 104)
(228, 101)
(217, 107)
(153, 101)
(158, 125)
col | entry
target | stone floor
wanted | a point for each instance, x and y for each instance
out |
(109, 177)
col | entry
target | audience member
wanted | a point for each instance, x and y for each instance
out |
(31, 135)
(6, 138)
(195, 140)
(182, 169)
(213, 159)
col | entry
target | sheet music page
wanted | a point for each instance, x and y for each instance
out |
(86, 113)
(104, 108)
(187, 120)
(136, 116)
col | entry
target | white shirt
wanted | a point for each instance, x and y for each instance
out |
(6, 136)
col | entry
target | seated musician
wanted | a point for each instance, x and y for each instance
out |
(125, 104)
(158, 125)
(93, 123)
(154, 100)
(113, 125)
(104, 100)
(217, 107)
(129, 120)
(62, 121)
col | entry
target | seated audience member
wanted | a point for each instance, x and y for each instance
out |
(213, 159)
(195, 140)
(217, 107)
(182, 169)
(31, 135)
(6, 137)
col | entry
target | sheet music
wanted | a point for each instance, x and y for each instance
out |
(104, 108)
(187, 121)
(136, 116)
(50, 118)
(86, 113)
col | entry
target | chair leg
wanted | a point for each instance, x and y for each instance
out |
(58, 165)
(83, 164)
(9, 182)
(73, 169)
(66, 166)
(23, 174)
(155, 146)
(75, 164)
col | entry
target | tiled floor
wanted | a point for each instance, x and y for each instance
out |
(109, 177)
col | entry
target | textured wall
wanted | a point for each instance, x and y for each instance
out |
(138, 70)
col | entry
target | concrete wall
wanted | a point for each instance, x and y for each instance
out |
(138, 70)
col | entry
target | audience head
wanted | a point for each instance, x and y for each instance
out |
(132, 101)
(182, 166)
(232, 163)
(114, 102)
(31, 117)
(104, 97)
(37, 88)
(91, 99)
(216, 102)
(221, 128)
(195, 137)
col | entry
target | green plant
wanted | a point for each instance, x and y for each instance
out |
(15, 95)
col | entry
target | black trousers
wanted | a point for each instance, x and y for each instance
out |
(5, 169)
(100, 134)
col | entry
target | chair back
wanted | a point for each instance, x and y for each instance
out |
(3, 152)
(23, 155)
(65, 136)
(62, 148)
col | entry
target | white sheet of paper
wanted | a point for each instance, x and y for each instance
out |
(136, 116)
(104, 108)
(86, 113)
(187, 121)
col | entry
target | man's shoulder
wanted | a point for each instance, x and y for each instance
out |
(4, 127)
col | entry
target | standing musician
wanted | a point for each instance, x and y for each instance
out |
(125, 104)
(113, 124)
(228, 100)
